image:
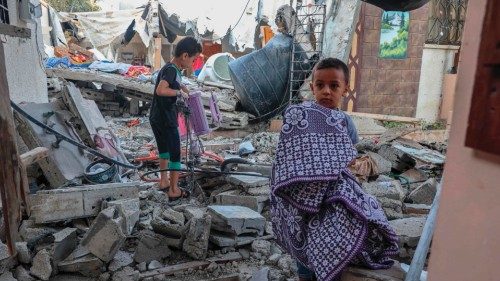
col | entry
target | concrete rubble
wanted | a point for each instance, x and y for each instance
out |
(130, 231)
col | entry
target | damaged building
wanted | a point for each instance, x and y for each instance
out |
(80, 193)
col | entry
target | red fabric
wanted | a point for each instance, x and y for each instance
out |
(136, 70)
(198, 63)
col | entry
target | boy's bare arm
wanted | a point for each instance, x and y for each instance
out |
(164, 90)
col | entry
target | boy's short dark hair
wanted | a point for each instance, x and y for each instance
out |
(332, 63)
(187, 45)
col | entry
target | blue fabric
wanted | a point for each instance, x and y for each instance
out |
(110, 67)
(351, 129)
(57, 62)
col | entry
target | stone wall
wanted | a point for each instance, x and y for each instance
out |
(390, 86)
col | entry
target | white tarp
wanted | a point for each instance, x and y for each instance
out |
(104, 28)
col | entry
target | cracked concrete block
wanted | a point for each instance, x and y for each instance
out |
(65, 242)
(23, 253)
(105, 235)
(425, 193)
(129, 209)
(408, 230)
(238, 198)
(196, 242)
(42, 266)
(121, 260)
(237, 220)
(77, 202)
(151, 246)
(168, 222)
(248, 181)
(87, 265)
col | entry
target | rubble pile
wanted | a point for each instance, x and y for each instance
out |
(128, 230)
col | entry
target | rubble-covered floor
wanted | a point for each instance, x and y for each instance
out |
(130, 231)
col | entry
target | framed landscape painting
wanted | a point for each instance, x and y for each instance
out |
(394, 35)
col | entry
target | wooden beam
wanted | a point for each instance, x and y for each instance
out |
(11, 174)
(34, 155)
(15, 31)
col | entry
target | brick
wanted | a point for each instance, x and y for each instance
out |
(386, 88)
(367, 88)
(413, 51)
(417, 39)
(414, 28)
(367, 49)
(393, 76)
(410, 75)
(361, 101)
(415, 64)
(423, 27)
(367, 75)
(377, 23)
(371, 36)
(379, 74)
(370, 62)
(402, 64)
(375, 47)
(376, 101)
(368, 22)
(386, 111)
(372, 10)
(387, 64)
(420, 14)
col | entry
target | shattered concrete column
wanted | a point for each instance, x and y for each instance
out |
(196, 243)
(340, 25)
(106, 235)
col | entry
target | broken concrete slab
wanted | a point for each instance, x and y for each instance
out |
(236, 219)
(105, 236)
(387, 189)
(42, 266)
(408, 230)
(367, 126)
(425, 155)
(248, 181)
(121, 260)
(87, 265)
(225, 240)
(415, 177)
(23, 252)
(167, 223)
(151, 246)
(77, 202)
(126, 274)
(238, 198)
(401, 161)
(383, 165)
(196, 243)
(425, 193)
(34, 234)
(65, 242)
(259, 191)
(129, 209)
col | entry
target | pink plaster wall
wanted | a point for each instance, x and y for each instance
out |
(466, 243)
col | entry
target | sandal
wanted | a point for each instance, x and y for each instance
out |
(184, 194)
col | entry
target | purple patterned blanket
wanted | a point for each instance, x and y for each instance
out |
(320, 214)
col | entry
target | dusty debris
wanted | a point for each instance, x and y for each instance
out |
(120, 260)
(65, 241)
(23, 253)
(409, 231)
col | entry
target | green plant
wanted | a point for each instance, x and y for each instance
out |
(393, 124)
